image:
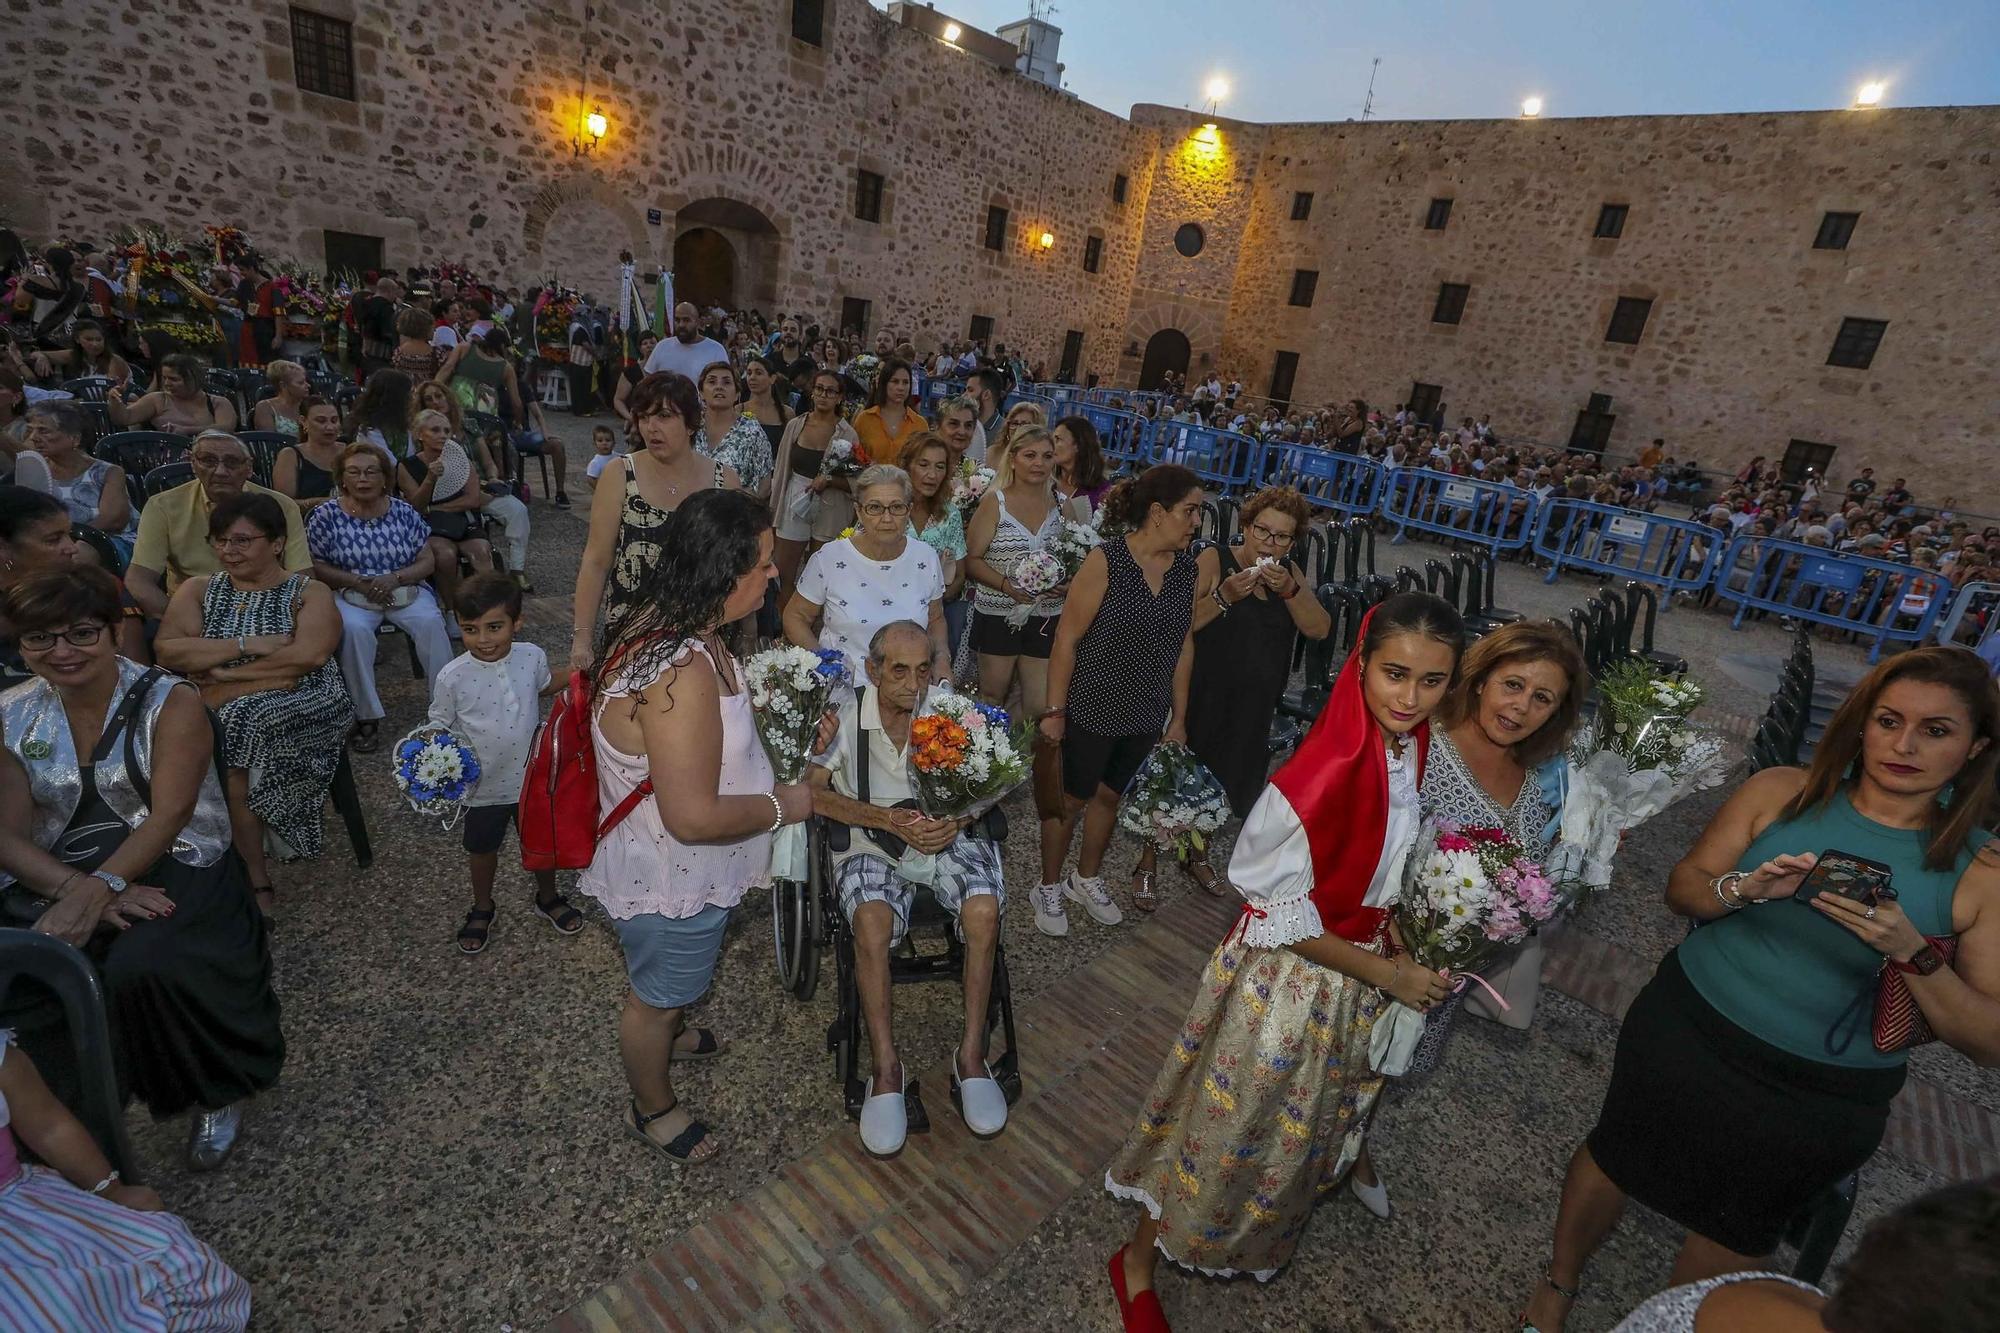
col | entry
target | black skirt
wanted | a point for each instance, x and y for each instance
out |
(1725, 1133)
(194, 1021)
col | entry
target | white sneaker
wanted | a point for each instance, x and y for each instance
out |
(1375, 1198)
(1050, 918)
(982, 1103)
(1094, 898)
(885, 1120)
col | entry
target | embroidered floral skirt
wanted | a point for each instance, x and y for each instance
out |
(1260, 1110)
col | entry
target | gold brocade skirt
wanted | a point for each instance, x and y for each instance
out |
(1261, 1109)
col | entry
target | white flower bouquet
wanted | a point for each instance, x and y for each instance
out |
(437, 772)
(1174, 802)
(1073, 544)
(1038, 574)
(790, 690)
(969, 487)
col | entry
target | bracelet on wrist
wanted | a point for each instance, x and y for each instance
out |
(777, 812)
(105, 1183)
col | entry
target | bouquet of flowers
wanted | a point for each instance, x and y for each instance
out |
(844, 458)
(969, 488)
(553, 310)
(1073, 545)
(965, 756)
(862, 370)
(1173, 802)
(1639, 757)
(163, 287)
(229, 242)
(436, 771)
(1466, 892)
(1038, 574)
(790, 690)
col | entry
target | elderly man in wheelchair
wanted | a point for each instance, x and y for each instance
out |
(861, 781)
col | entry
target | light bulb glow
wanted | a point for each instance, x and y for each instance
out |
(1048, 240)
(952, 32)
(1531, 106)
(1217, 89)
(596, 124)
(1870, 93)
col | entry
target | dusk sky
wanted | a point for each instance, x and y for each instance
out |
(1309, 59)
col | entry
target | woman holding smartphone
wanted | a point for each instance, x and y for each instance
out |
(1751, 1049)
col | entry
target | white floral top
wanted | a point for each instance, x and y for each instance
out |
(744, 447)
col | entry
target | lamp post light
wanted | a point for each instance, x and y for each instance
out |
(1870, 93)
(1531, 107)
(952, 32)
(1215, 90)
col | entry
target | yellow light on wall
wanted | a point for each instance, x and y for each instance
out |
(1870, 93)
(596, 124)
(1047, 240)
(952, 32)
(1531, 107)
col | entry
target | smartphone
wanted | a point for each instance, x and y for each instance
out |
(1845, 875)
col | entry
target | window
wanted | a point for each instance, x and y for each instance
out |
(1424, 400)
(1628, 319)
(1439, 215)
(1835, 231)
(1283, 372)
(323, 54)
(1189, 239)
(867, 195)
(352, 254)
(809, 22)
(854, 314)
(1302, 205)
(1450, 307)
(996, 228)
(1592, 431)
(1611, 221)
(1304, 282)
(1072, 357)
(1118, 187)
(1093, 253)
(1854, 346)
(1805, 455)
(982, 329)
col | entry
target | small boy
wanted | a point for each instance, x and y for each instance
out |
(491, 698)
(602, 441)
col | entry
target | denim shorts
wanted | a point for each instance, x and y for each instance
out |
(671, 960)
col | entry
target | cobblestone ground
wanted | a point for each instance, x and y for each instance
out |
(445, 1152)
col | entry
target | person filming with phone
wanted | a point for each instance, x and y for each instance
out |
(1846, 912)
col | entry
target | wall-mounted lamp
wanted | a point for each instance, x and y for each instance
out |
(1047, 240)
(952, 32)
(589, 132)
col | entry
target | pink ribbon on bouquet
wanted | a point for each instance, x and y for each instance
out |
(1460, 979)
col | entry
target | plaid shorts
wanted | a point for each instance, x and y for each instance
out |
(966, 869)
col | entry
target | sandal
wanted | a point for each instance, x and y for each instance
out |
(706, 1047)
(472, 935)
(558, 913)
(1559, 1289)
(1214, 886)
(681, 1150)
(1143, 896)
(365, 737)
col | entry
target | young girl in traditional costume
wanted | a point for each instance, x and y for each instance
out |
(1265, 1098)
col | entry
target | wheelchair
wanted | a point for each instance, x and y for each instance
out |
(807, 916)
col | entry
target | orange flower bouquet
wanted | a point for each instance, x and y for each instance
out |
(965, 756)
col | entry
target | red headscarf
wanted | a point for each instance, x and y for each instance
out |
(1338, 785)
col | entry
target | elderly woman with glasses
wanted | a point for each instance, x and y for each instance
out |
(90, 489)
(374, 551)
(259, 640)
(115, 837)
(880, 574)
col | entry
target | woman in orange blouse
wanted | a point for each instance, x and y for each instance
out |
(889, 421)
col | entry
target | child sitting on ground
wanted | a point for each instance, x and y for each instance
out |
(80, 1249)
(491, 699)
(602, 442)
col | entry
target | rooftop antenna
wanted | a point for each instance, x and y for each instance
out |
(1368, 104)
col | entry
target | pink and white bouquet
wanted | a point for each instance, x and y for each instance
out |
(968, 488)
(1039, 574)
(964, 755)
(1466, 892)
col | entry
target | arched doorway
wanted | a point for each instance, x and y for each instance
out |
(573, 233)
(705, 268)
(1166, 350)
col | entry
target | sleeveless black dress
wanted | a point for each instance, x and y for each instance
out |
(1241, 662)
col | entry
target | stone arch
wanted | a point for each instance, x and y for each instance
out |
(1167, 350)
(594, 218)
(726, 252)
(705, 268)
(1201, 323)
(747, 196)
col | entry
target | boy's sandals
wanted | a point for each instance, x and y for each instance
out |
(1213, 886)
(684, 1149)
(365, 737)
(558, 913)
(472, 935)
(1143, 896)
(706, 1046)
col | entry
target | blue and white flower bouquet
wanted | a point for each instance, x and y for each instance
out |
(791, 688)
(437, 772)
(1173, 802)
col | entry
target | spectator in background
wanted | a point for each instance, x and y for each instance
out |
(180, 403)
(172, 543)
(629, 375)
(856, 584)
(890, 418)
(304, 471)
(36, 537)
(727, 434)
(1862, 486)
(438, 481)
(415, 355)
(283, 410)
(375, 320)
(687, 353)
(381, 415)
(90, 489)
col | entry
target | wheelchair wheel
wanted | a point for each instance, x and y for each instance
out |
(794, 935)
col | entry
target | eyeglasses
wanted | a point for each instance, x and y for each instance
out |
(876, 509)
(238, 543)
(41, 640)
(1275, 538)
(228, 463)
(826, 391)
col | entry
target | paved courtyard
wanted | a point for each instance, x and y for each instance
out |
(445, 1149)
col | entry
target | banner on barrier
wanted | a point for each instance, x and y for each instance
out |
(1491, 514)
(1346, 483)
(1878, 600)
(1675, 554)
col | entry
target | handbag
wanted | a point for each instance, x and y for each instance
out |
(1899, 1021)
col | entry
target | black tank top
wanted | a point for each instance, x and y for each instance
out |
(1123, 684)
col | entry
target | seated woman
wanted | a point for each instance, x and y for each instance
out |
(82, 1249)
(304, 470)
(284, 411)
(437, 481)
(90, 489)
(374, 552)
(36, 537)
(260, 641)
(487, 453)
(114, 837)
(90, 354)
(381, 415)
(180, 404)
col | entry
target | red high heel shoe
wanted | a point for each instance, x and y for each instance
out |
(1141, 1313)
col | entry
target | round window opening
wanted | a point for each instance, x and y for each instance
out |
(1189, 239)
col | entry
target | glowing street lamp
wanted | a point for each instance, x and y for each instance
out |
(596, 124)
(1870, 93)
(952, 32)
(1531, 107)
(1218, 88)
(1047, 240)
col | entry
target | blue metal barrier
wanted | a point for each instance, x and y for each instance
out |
(1125, 437)
(1219, 457)
(1063, 397)
(935, 392)
(1483, 513)
(1345, 483)
(1041, 400)
(1674, 554)
(1877, 599)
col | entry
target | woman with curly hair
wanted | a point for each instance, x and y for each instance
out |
(672, 731)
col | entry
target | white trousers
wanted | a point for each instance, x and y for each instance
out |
(420, 620)
(512, 516)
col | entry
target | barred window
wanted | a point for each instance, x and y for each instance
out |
(323, 54)
(1854, 346)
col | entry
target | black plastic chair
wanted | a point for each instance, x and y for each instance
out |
(140, 451)
(101, 544)
(167, 476)
(66, 972)
(264, 446)
(1441, 580)
(223, 383)
(347, 804)
(1642, 612)
(88, 389)
(1314, 552)
(96, 424)
(1408, 580)
(1357, 540)
(1229, 519)
(1816, 1231)
(525, 445)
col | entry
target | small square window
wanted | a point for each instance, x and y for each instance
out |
(1835, 231)
(323, 54)
(868, 196)
(1628, 319)
(809, 21)
(1450, 307)
(1304, 282)
(1119, 185)
(1611, 221)
(982, 329)
(1854, 346)
(854, 313)
(1439, 214)
(996, 228)
(1302, 205)
(1093, 253)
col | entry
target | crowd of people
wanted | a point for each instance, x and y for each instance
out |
(196, 661)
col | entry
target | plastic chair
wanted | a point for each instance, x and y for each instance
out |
(264, 446)
(223, 383)
(1408, 580)
(527, 444)
(1816, 1231)
(166, 476)
(141, 453)
(100, 543)
(347, 803)
(65, 971)
(1641, 600)
(89, 389)
(1357, 539)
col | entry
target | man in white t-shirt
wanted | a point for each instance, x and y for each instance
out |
(687, 352)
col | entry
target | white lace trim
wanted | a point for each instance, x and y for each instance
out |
(1283, 923)
(1133, 1194)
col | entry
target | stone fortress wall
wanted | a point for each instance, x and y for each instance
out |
(457, 146)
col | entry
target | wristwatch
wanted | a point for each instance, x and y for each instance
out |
(1923, 962)
(115, 883)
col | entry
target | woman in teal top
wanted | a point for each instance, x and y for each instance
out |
(936, 522)
(1746, 1079)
